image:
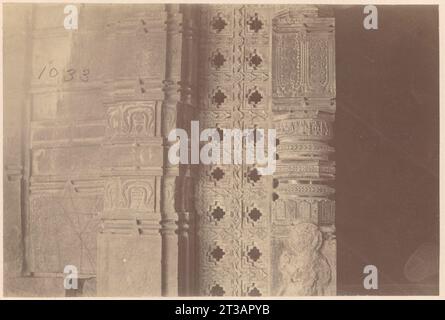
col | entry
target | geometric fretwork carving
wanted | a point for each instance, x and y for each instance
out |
(254, 97)
(218, 97)
(255, 214)
(218, 23)
(253, 176)
(217, 290)
(254, 292)
(255, 60)
(255, 24)
(217, 253)
(254, 254)
(218, 60)
(217, 174)
(218, 213)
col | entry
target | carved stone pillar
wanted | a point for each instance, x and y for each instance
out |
(185, 184)
(268, 67)
(232, 200)
(169, 122)
(303, 104)
(136, 255)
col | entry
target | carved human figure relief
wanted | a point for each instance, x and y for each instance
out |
(304, 270)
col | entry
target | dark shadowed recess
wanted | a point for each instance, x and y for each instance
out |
(387, 149)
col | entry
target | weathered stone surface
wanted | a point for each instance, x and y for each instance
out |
(63, 230)
(127, 265)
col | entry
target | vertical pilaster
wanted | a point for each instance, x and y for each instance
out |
(303, 207)
(17, 44)
(169, 190)
(186, 113)
(233, 200)
(136, 255)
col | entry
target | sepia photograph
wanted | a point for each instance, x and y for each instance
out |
(220, 150)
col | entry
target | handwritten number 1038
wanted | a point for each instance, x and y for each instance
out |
(66, 74)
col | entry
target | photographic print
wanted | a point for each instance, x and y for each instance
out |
(220, 150)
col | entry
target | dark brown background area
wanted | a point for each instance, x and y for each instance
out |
(387, 146)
